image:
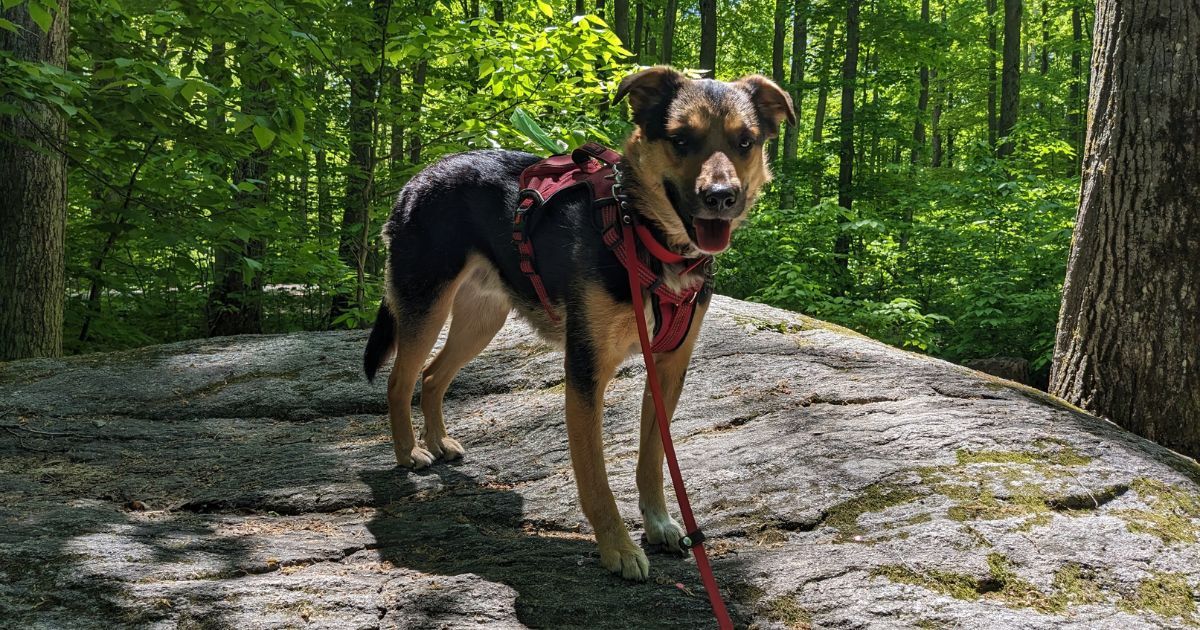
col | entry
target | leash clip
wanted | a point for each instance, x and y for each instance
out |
(693, 539)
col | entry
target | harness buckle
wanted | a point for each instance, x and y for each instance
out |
(692, 539)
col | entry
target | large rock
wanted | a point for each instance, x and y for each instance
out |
(249, 483)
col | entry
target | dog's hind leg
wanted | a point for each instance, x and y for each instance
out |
(661, 529)
(416, 334)
(477, 315)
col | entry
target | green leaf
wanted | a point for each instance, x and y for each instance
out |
(264, 136)
(545, 8)
(8, 26)
(40, 15)
(534, 132)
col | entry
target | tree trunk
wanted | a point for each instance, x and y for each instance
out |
(1075, 106)
(580, 7)
(708, 36)
(639, 23)
(1010, 89)
(777, 43)
(1128, 343)
(360, 168)
(498, 11)
(33, 200)
(841, 246)
(918, 147)
(935, 121)
(791, 133)
(235, 303)
(821, 108)
(1044, 66)
(621, 21)
(668, 36)
(991, 97)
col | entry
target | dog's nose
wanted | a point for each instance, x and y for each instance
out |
(720, 197)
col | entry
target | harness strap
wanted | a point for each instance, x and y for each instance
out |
(695, 537)
(530, 199)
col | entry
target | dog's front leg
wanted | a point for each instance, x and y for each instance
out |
(672, 367)
(590, 363)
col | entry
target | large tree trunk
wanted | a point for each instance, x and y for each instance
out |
(1128, 343)
(841, 246)
(33, 200)
(668, 36)
(708, 36)
(1010, 79)
(991, 73)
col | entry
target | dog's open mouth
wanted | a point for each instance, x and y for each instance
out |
(712, 235)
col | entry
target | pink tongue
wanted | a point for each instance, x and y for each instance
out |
(712, 234)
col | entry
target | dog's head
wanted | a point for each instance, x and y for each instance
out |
(698, 151)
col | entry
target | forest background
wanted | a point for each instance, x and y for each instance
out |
(230, 164)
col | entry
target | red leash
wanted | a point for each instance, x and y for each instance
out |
(694, 538)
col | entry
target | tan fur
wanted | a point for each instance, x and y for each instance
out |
(609, 326)
(480, 305)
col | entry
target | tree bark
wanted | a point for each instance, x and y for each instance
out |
(1075, 106)
(621, 21)
(668, 36)
(991, 97)
(791, 132)
(360, 181)
(841, 246)
(1128, 342)
(935, 121)
(498, 11)
(918, 147)
(777, 43)
(639, 23)
(1010, 80)
(1044, 66)
(33, 200)
(235, 303)
(818, 136)
(708, 36)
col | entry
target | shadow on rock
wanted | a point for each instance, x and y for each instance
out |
(468, 528)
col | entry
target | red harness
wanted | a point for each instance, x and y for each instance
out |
(594, 166)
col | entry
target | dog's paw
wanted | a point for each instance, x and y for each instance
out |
(446, 448)
(416, 459)
(626, 560)
(665, 533)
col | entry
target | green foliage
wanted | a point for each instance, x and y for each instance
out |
(170, 102)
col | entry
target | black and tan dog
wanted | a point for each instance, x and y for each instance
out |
(692, 170)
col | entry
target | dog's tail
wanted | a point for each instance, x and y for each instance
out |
(381, 343)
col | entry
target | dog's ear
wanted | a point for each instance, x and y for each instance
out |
(773, 104)
(650, 93)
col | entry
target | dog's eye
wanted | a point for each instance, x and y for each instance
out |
(745, 144)
(679, 141)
